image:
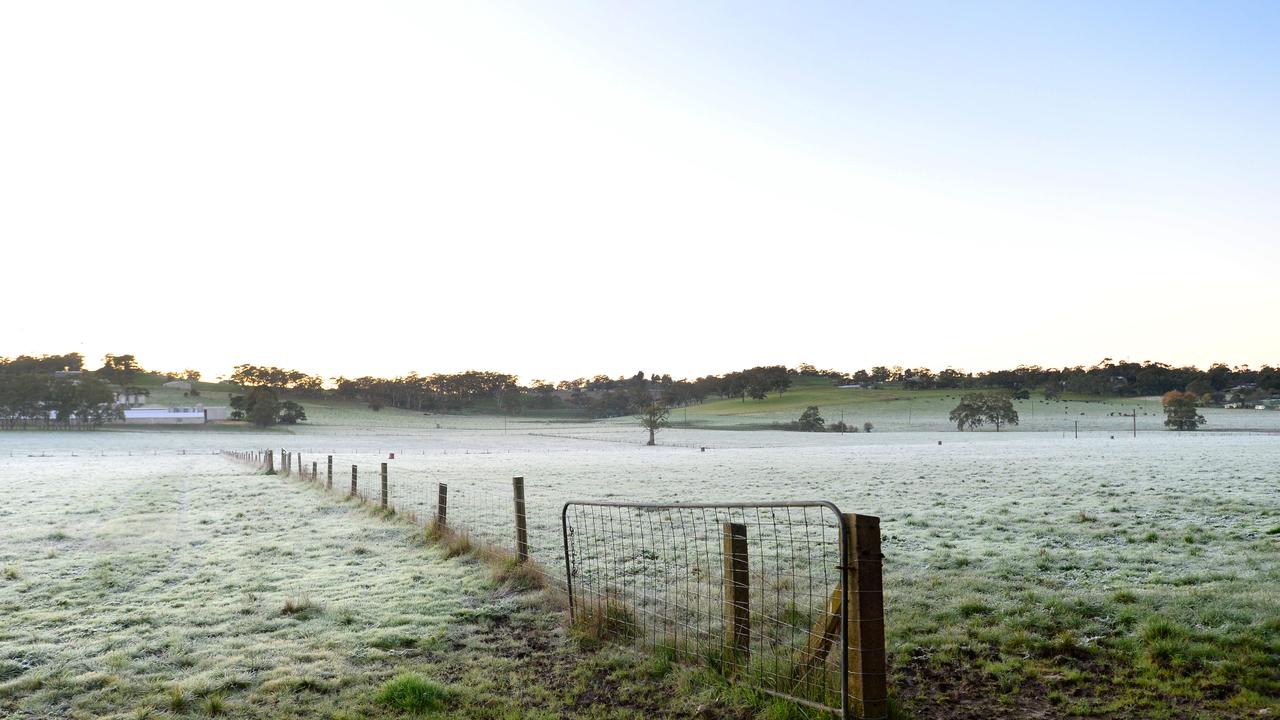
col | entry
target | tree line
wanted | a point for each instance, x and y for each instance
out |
(30, 390)
(54, 391)
(1108, 377)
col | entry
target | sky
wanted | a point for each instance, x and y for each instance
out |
(560, 189)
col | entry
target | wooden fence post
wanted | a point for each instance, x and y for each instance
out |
(271, 462)
(353, 481)
(315, 472)
(737, 595)
(442, 506)
(329, 482)
(866, 659)
(384, 486)
(522, 531)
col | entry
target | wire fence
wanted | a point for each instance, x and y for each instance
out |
(783, 596)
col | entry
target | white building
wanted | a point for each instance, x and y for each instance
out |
(175, 415)
(131, 397)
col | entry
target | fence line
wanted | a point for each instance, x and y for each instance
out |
(784, 596)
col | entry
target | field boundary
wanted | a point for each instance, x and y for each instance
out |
(785, 597)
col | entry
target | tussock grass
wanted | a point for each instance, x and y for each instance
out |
(394, 641)
(509, 573)
(457, 545)
(600, 622)
(412, 693)
(300, 607)
(518, 576)
(177, 699)
(215, 705)
(1124, 597)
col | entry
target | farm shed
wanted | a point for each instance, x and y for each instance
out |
(178, 384)
(174, 416)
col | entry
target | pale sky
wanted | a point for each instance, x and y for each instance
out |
(560, 189)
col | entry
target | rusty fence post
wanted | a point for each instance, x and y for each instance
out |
(383, 504)
(737, 596)
(353, 481)
(865, 630)
(442, 506)
(522, 530)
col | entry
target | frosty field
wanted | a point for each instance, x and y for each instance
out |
(1025, 573)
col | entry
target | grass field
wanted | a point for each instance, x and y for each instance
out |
(895, 409)
(1028, 574)
(167, 587)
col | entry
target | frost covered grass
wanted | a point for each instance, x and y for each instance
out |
(1021, 569)
(1026, 573)
(176, 585)
(188, 586)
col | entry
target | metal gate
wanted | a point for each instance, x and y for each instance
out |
(784, 596)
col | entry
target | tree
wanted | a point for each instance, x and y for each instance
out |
(1199, 387)
(290, 413)
(977, 409)
(653, 418)
(1180, 411)
(511, 401)
(119, 369)
(262, 408)
(810, 420)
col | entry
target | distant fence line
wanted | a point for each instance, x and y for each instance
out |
(783, 596)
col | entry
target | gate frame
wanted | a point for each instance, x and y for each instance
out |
(845, 549)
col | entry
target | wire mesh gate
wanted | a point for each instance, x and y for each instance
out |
(784, 596)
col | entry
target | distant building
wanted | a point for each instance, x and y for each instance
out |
(178, 384)
(67, 373)
(175, 415)
(131, 397)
